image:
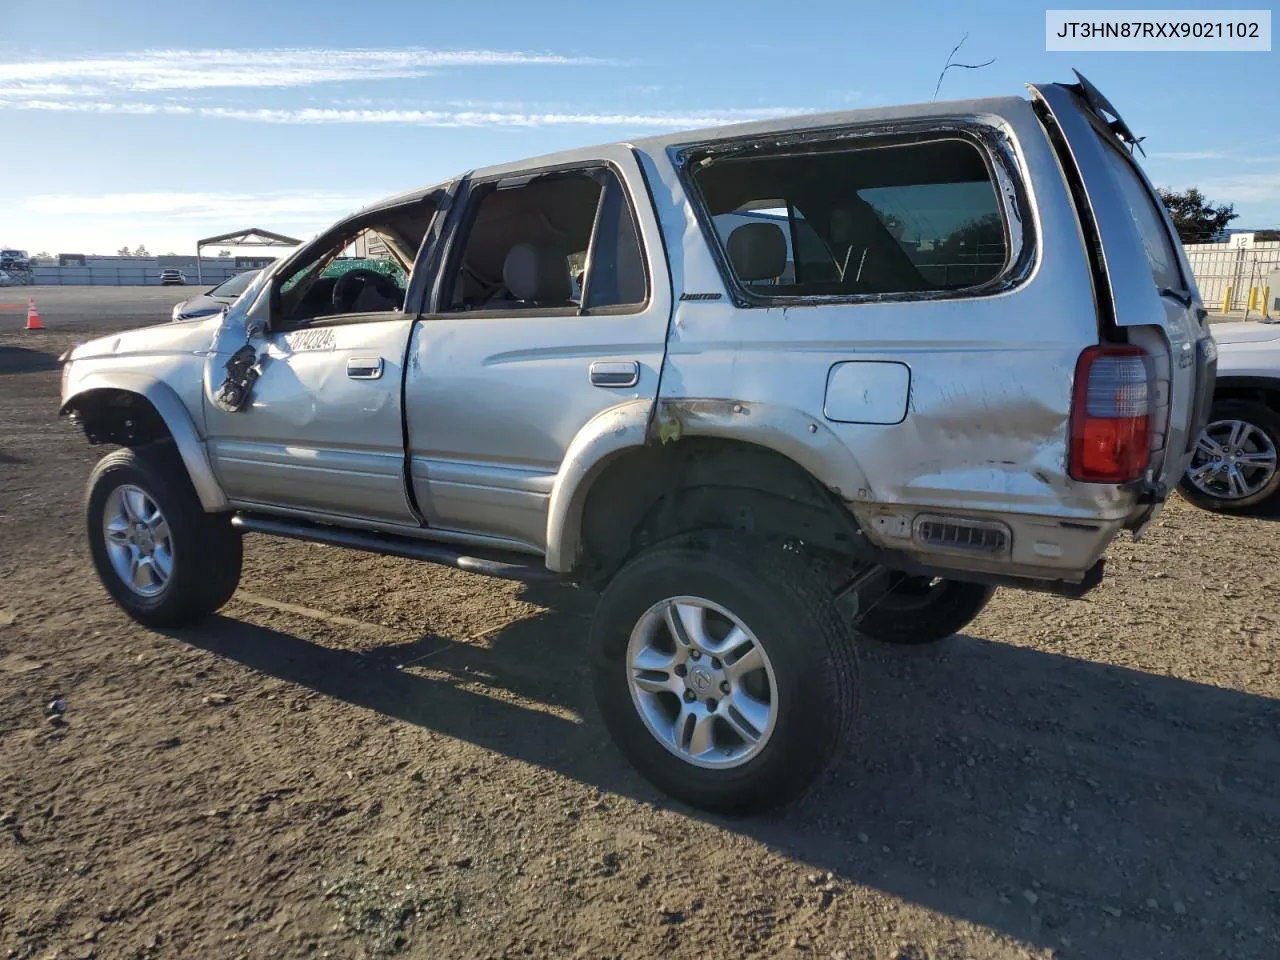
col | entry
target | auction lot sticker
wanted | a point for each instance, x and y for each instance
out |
(1208, 31)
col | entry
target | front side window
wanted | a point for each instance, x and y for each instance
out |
(361, 271)
(835, 221)
(564, 242)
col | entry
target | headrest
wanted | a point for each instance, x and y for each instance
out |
(536, 274)
(757, 251)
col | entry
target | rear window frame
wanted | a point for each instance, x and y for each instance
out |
(1108, 140)
(993, 143)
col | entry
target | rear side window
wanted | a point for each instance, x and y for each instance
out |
(565, 242)
(829, 220)
(1156, 242)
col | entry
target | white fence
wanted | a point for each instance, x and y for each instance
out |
(1237, 275)
(125, 275)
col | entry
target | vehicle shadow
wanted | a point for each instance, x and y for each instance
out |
(1055, 800)
(26, 360)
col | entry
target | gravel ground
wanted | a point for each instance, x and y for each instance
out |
(366, 757)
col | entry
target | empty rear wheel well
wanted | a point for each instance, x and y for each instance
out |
(1263, 392)
(651, 493)
(109, 415)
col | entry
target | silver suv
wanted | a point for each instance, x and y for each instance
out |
(765, 387)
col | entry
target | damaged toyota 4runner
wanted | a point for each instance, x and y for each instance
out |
(767, 388)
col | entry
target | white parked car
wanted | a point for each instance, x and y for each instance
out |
(215, 299)
(172, 276)
(1235, 462)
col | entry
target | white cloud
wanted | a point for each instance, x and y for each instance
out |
(1216, 155)
(100, 223)
(155, 70)
(1254, 188)
(412, 117)
(222, 207)
(1190, 155)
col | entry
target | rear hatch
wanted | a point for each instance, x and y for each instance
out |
(1146, 292)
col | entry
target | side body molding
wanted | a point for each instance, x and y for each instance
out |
(167, 403)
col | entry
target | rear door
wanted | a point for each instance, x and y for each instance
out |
(552, 308)
(1145, 279)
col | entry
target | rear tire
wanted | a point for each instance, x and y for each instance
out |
(1260, 438)
(920, 611)
(163, 560)
(681, 722)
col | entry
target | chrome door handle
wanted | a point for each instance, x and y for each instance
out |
(615, 373)
(364, 368)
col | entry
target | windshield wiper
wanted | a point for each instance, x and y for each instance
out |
(1182, 296)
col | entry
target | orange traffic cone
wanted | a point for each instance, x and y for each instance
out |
(33, 315)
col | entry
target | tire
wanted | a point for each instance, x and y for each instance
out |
(920, 610)
(1260, 439)
(807, 683)
(201, 551)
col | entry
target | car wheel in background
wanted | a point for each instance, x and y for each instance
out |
(924, 610)
(1236, 464)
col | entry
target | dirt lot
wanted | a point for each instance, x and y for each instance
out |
(365, 757)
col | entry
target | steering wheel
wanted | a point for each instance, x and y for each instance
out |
(345, 291)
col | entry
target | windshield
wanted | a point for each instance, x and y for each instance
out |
(234, 286)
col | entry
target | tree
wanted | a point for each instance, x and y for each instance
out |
(1197, 220)
(141, 251)
(224, 253)
(124, 252)
(1266, 236)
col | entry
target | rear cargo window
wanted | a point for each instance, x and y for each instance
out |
(908, 218)
(1156, 241)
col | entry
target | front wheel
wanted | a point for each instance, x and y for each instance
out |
(924, 610)
(1235, 464)
(724, 671)
(162, 559)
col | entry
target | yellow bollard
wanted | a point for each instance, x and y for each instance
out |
(1266, 301)
(1253, 298)
(1226, 301)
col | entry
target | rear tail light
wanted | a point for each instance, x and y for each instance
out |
(1111, 415)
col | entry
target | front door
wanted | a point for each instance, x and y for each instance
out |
(322, 431)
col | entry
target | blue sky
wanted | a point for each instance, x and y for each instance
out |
(130, 122)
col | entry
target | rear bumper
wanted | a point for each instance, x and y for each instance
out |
(1039, 551)
(1063, 588)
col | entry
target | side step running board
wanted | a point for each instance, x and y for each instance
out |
(510, 567)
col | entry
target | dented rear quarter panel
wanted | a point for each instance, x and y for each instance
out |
(985, 428)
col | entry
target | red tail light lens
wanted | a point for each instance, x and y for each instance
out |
(1110, 415)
